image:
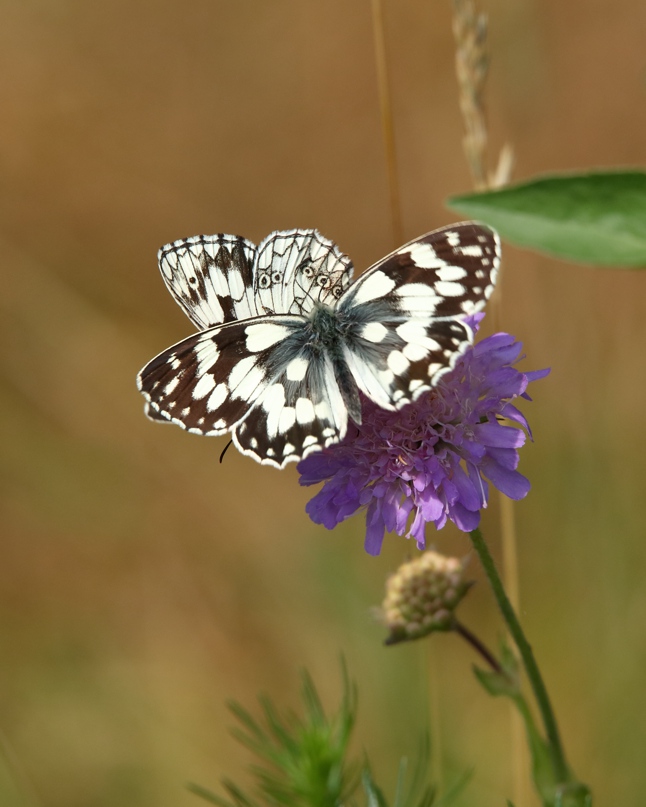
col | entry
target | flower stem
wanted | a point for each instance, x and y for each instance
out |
(481, 648)
(559, 765)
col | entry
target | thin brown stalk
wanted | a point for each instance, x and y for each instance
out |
(478, 646)
(387, 126)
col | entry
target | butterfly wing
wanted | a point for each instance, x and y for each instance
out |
(211, 278)
(296, 269)
(403, 318)
(209, 382)
(258, 378)
(302, 411)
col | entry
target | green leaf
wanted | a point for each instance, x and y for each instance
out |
(497, 683)
(597, 218)
(509, 661)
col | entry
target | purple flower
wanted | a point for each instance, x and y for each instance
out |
(430, 461)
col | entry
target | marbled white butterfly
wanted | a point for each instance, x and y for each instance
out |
(286, 342)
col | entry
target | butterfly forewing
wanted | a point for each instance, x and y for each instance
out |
(297, 269)
(403, 318)
(211, 277)
(449, 272)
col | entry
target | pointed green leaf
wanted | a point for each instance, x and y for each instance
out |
(509, 660)
(374, 793)
(496, 683)
(597, 218)
(454, 789)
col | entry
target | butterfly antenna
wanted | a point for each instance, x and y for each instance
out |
(224, 450)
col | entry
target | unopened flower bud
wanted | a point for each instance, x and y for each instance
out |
(422, 595)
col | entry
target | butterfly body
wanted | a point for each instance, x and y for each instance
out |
(287, 344)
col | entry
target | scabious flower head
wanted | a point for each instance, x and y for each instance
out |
(432, 460)
(422, 595)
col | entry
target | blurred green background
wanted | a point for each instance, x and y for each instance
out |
(142, 583)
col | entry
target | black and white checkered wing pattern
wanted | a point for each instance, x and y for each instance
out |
(288, 343)
(296, 269)
(301, 411)
(210, 381)
(261, 379)
(211, 277)
(402, 319)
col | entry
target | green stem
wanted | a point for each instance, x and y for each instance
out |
(559, 765)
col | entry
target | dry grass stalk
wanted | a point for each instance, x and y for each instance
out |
(472, 66)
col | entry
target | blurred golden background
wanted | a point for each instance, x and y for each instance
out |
(142, 583)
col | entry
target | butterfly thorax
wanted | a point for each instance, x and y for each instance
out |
(324, 327)
(326, 336)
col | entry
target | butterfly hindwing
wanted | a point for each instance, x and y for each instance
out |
(152, 414)
(296, 269)
(300, 412)
(394, 362)
(211, 277)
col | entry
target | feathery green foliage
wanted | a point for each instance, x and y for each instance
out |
(303, 761)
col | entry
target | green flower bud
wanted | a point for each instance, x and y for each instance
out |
(422, 595)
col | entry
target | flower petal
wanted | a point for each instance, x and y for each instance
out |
(534, 375)
(465, 520)
(506, 457)
(430, 504)
(469, 496)
(510, 412)
(317, 466)
(495, 434)
(375, 528)
(511, 483)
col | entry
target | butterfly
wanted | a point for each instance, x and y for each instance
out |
(287, 344)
